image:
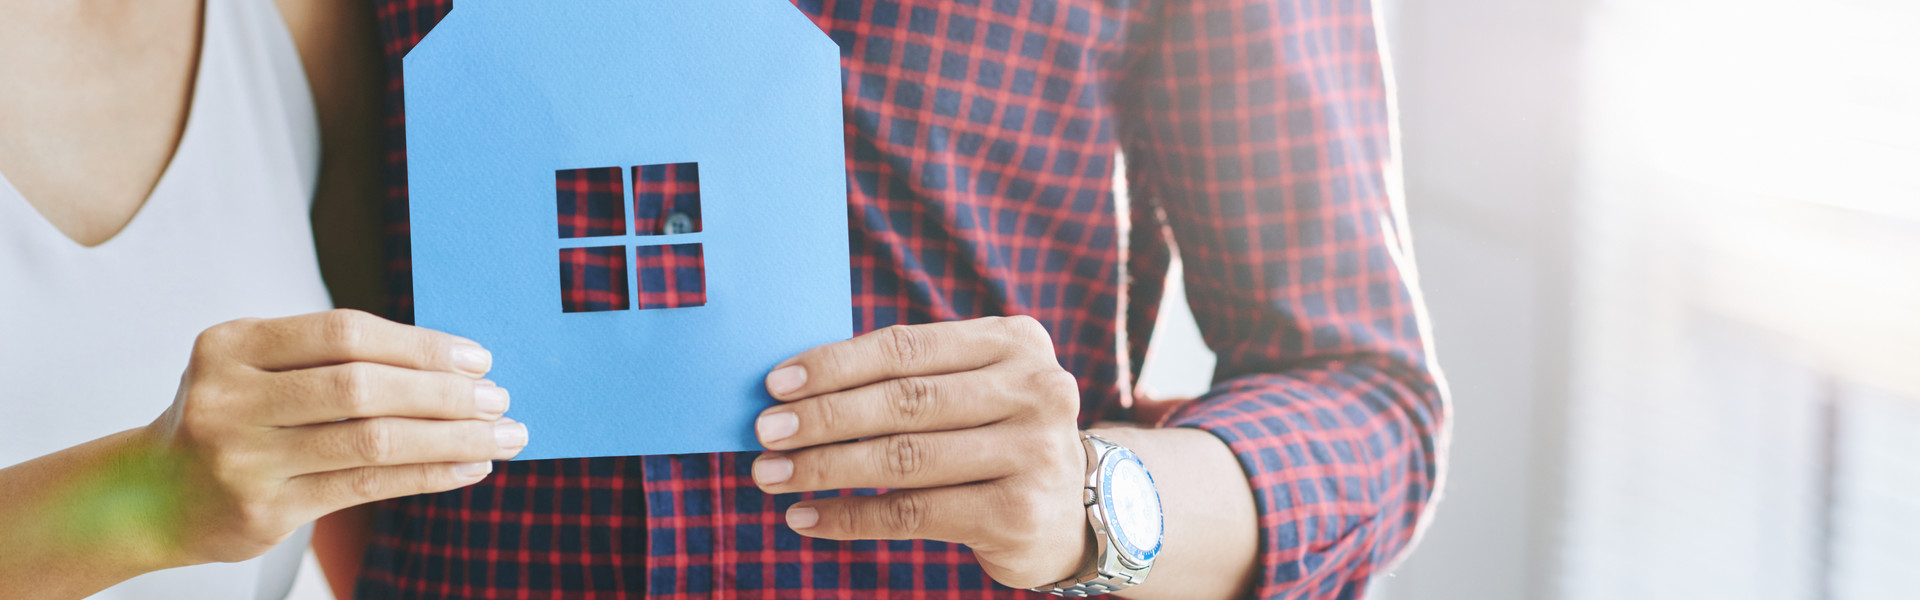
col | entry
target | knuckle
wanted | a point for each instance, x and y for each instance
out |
(1062, 452)
(434, 480)
(217, 337)
(201, 399)
(911, 399)
(902, 513)
(203, 422)
(344, 329)
(826, 414)
(850, 519)
(905, 345)
(1059, 392)
(903, 456)
(812, 467)
(199, 376)
(376, 442)
(434, 349)
(256, 517)
(193, 425)
(1026, 331)
(216, 343)
(353, 389)
(363, 483)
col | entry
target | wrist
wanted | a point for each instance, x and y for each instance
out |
(1212, 545)
(75, 522)
(1125, 522)
(135, 497)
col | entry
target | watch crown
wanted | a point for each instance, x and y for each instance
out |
(1089, 499)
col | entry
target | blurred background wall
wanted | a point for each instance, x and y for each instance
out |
(1671, 251)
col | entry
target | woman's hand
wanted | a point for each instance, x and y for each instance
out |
(973, 425)
(278, 422)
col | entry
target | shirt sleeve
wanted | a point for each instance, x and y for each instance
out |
(1262, 129)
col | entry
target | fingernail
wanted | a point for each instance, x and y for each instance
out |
(786, 379)
(774, 427)
(491, 399)
(509, 434)
(472, 469)
(471, 358)
(772, 470)
(801, 517)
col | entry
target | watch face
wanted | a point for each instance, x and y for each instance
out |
(1132, 506)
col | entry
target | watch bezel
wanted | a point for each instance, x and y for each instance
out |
(1129, 550)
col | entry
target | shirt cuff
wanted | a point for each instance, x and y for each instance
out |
(1341, 460)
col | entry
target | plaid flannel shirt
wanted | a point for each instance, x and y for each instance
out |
(981, 138)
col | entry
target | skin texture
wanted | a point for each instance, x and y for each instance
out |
(972, 425)
(384, 409)
(276, 423)
(70, 106)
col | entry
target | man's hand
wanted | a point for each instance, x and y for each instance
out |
(972, 424)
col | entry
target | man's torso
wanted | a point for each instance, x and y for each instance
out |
(980, 147)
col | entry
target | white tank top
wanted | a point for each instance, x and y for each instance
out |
(93, 340)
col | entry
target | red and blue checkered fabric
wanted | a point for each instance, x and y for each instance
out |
(590, 202)
(981, 137)
(662, 191)
(671, 276)
(593, 279)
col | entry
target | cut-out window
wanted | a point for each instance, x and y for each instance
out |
(591, 202)
(593, 279)
(668, 263)
(672, 276)
(666, 199)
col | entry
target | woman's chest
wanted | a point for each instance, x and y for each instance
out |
(93, 108)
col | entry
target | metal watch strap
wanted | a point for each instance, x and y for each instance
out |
(1100, 586)
(1094, 580)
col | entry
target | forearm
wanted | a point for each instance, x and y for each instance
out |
(80, 520)
(1212, 530)
(1344, 458)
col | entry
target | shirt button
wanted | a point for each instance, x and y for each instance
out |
(677, 223)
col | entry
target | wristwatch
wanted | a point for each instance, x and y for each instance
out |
(1124, 509)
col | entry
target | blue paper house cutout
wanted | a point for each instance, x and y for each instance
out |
(504, 96)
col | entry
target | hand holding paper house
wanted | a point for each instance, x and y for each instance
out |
(638, 205)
